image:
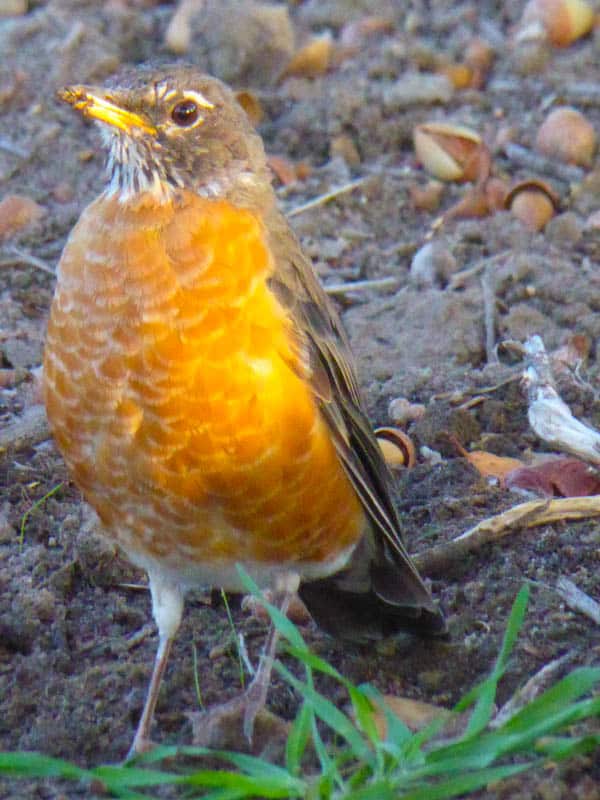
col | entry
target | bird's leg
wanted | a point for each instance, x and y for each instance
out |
(142, 741)
(167, 608)
(215, 727)
(256, 693)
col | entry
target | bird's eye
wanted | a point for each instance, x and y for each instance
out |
(185, 113)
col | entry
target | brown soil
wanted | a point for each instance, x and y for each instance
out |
(72, 670)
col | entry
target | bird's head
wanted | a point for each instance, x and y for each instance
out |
(170, 130)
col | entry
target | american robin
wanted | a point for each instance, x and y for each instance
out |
(200, 386)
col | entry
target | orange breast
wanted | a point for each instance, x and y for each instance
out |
(171, 391)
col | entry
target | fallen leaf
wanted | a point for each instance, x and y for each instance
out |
(492, 466)
(488, 464)
(415, 714)
(556, 477)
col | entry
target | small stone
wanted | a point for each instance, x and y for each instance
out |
(401, 411)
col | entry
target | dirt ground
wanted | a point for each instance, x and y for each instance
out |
(73, 664)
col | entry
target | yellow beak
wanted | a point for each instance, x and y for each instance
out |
(93, 103)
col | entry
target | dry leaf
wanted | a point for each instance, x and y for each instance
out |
(557, 477)
(490, 465)
(414, 713)
(312, 60)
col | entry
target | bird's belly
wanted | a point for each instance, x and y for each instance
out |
(172, 395)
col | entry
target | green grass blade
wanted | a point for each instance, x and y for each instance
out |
(565, 747)
(285, 626)
(297, 740)
(36, 765)
(577, 683)
(463, 784)
(330, 714)
(117, 777)
(261, 786)
(484, 706)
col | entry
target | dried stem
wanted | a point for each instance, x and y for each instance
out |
(492, 529)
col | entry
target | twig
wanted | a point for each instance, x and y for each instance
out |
(578, 600)
(325, 198)
(24, 257)
(534, 161)
(458, 280)
(584, 94)
(549, 416)
(523, 696)
(489, 315)
(12, 148)
(30, 429)
(361, 286)
(525, 515)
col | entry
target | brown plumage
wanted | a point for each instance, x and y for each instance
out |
(199, 383)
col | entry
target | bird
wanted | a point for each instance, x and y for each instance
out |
(200, 386)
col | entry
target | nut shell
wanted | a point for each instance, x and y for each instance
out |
(450, 152)
(397, 447)
(533, 202)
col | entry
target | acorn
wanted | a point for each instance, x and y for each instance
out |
(397, 447)
(450, 152)
(568, 136)
(533, 202)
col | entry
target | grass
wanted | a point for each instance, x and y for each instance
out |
(331, 755)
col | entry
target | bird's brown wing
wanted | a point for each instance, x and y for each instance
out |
(380, 590)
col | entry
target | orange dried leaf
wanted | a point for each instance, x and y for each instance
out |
(490, 465)
(311, 60)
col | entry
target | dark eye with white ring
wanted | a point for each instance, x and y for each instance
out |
(185, 113)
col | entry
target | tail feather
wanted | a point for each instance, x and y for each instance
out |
(373, 598)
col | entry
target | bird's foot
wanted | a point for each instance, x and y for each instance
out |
(242, 724)
(139, 746)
